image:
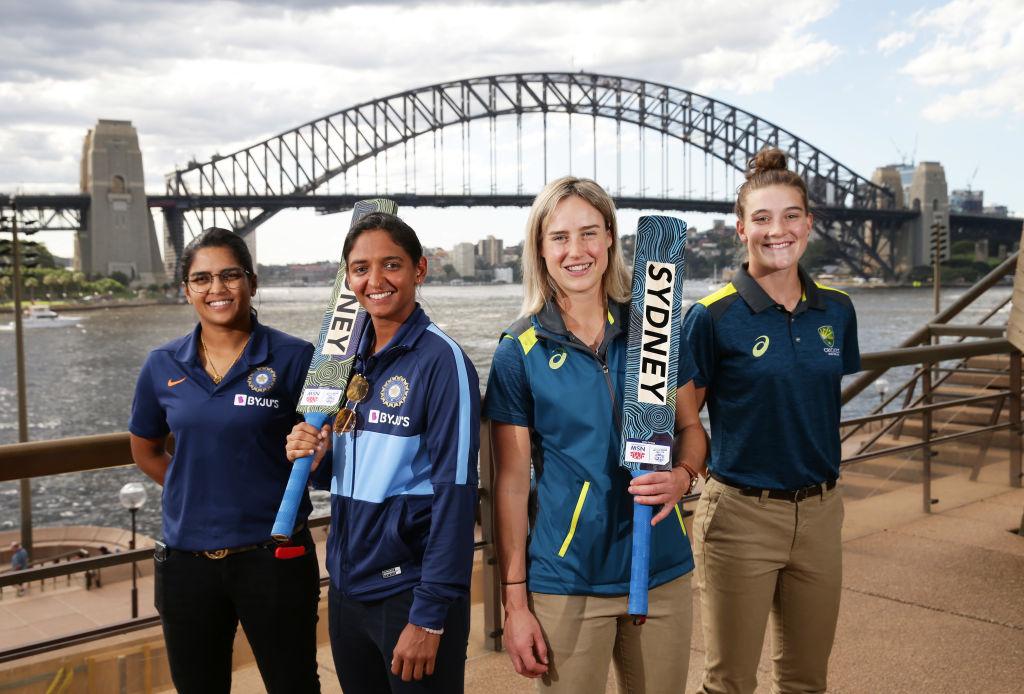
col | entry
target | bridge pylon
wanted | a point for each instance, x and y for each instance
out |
(118, 234)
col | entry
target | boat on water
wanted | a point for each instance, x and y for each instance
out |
(42, 317)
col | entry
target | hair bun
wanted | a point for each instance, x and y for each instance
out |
(768, 159)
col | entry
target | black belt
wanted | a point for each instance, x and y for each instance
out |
(221, 553)
(794, 495)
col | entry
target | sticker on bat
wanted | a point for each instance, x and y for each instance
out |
(648, 453)
(320, 397)
(656, 343)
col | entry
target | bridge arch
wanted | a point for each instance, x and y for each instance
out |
(300, 160)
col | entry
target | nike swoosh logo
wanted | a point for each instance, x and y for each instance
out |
(171, 384)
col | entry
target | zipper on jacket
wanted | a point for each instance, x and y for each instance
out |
(575, 519)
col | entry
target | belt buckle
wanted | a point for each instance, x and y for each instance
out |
(216, 554)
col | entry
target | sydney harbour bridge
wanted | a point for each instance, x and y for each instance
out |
(494, 141)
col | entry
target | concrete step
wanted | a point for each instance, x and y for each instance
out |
(913, 430)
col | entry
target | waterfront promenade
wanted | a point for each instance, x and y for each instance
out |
(930, 603)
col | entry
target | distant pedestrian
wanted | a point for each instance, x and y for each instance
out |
(772, 347)
(19, 562)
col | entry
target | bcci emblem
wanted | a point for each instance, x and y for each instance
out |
(262, 379)
(828, 336)
(394, 391)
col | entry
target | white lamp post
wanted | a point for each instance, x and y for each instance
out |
(133, 497)
(882, 388)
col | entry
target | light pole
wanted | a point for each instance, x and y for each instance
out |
(133, 497)
(10, 223)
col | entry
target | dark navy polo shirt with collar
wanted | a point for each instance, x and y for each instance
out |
(773, 380)
(229, 469)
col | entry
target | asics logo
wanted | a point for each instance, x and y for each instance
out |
(557, 359)
(171, 383)
(760, 346)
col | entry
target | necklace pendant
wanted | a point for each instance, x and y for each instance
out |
(216, 380)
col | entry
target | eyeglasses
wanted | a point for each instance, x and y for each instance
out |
(357, 390)
(202, 282)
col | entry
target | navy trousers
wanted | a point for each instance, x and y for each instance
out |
(364, 635)
(201, 601)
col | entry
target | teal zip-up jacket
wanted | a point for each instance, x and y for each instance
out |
(581, 513)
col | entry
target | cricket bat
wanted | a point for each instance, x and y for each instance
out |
(328, 372)
(652, 362)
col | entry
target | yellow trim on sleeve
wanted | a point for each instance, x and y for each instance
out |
(611, 318)
(831, 289)
(528, 339)
(727, 290)
(679, 515)
(575, 519)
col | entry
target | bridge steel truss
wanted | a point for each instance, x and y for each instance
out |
(299, 161)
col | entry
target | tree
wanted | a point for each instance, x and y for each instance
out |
(30, 284)
(5, 285)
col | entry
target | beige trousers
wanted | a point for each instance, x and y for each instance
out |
(757, 557)
(585, 633)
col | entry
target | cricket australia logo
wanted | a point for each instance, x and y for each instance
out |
(828, 336)
(262, 379)
(394, 391)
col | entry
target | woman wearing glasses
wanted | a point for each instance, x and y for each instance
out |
(403, 483)
(227, 393)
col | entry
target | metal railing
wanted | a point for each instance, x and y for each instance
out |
(80, 454)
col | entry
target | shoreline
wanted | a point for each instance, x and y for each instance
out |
(92, 305)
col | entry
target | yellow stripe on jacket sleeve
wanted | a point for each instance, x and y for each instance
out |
(528, 339)
(831, 289)
(575, 519)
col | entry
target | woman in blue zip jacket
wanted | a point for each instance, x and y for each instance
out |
(227, 391)
(403, 483)
(554, 395)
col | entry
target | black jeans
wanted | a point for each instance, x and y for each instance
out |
(201, 601)
(364, 635)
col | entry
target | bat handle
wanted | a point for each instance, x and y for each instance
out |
(284, 524)
(640, 566)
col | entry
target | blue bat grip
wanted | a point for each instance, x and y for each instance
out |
(640, 567)
(284, 524)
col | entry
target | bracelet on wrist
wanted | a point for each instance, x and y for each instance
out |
(513, 583)
(693, 476)
(435, 632)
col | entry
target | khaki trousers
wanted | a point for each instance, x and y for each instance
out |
(585, 633)
(758, 556)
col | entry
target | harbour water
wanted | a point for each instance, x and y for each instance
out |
(80, 380)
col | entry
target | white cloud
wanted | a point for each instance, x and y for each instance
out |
(890, 43)
(234, 73)
(974, 58)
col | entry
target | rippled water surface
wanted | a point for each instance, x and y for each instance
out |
(80, 380)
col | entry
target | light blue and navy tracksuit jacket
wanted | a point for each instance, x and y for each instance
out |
(570, 398)
(403, 485)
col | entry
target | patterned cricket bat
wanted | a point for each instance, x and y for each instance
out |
(652, 362)
(328, 372)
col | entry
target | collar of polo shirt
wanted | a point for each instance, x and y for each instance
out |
(758, 300)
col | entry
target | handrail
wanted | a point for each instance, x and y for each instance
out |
(922, 334)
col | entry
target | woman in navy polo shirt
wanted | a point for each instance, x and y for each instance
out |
(403, 481)
(554, 396)
(772, 347)
(227, 393)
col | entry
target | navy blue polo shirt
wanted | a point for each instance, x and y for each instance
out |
(229, 469)
(773, 380)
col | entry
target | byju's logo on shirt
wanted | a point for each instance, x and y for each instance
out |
(378, 417)
(243, 400)
(760, 346)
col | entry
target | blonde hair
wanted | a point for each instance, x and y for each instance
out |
(538, 287)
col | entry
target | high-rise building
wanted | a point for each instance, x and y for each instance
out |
(489, 250)
(967, 201)
(463, 259)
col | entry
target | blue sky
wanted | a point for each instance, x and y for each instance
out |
(864, 81)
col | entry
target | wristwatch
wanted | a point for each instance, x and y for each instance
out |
(693, 476)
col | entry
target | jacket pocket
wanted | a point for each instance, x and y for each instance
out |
(575, 519)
